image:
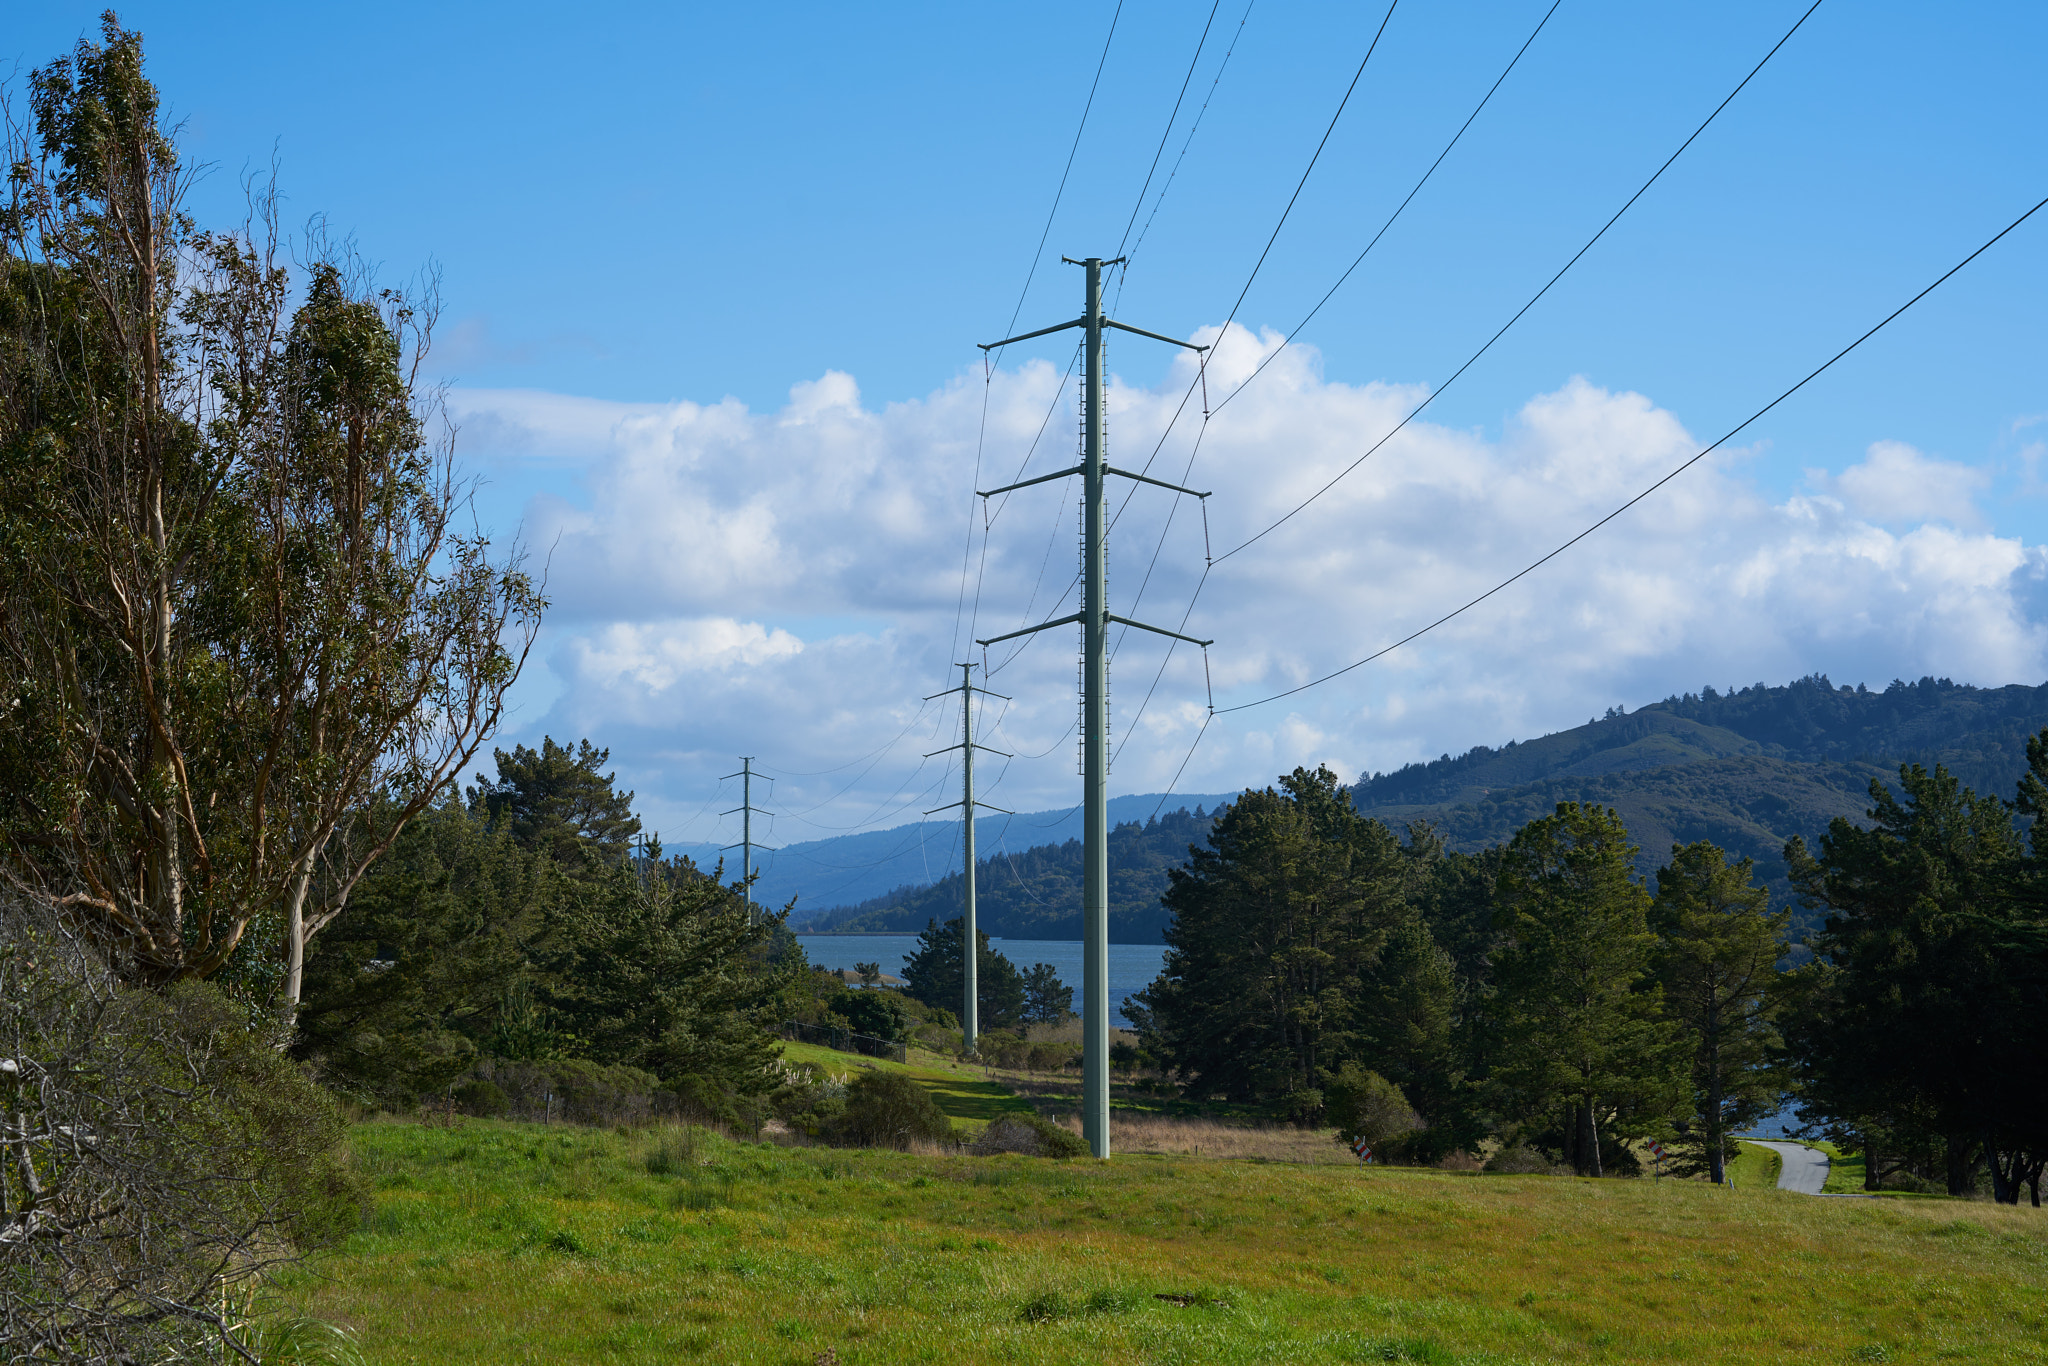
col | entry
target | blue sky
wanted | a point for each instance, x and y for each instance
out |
(640, 211)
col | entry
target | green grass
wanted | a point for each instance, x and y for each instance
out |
(958, 1090)
(1845, 1170)
(1755, 1168)
(498, 1242)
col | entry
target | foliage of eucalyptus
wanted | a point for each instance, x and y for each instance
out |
(244, 636)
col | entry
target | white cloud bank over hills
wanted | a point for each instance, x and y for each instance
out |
(789, 585)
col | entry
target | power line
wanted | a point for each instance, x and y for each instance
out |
(1727, 436)
(1193, 128)
(1284, 213)
(1348, 270)
(1432, 397)
(1039, 255)
(1167, 131)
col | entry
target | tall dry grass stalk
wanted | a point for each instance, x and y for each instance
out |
(1140, 1133)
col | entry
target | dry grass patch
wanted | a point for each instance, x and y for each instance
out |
(1137, 1132)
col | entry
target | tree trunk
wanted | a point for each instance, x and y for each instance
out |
(1588, 1163)
(2001, 1191)
(1960, 1162)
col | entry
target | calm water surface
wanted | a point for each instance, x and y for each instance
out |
(1131, 966)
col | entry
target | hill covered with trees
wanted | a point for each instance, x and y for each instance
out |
(1037, 894)
(1747, 769)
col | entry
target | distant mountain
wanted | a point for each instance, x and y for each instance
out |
(1036, 894)
(845, 870)
(1747, 769)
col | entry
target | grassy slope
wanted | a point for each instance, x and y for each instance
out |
(958, 1090)
(509, 1243)
(1755, 1168)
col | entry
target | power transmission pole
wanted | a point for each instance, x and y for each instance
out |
(1095, 618)
(970, 938)
(747, 811)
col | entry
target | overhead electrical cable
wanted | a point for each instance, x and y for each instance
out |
(1167, 131)
(1193, 128)
(1060, 193)
(1704, 451)
(1360, 259)
(1474, 359)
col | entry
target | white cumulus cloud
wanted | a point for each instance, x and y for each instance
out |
(792, 584)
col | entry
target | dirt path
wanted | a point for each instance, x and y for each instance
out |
(1804, 1169)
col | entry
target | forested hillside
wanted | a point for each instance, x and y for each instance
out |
(1747, 769)
(1037, 894)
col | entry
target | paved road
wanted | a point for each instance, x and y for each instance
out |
(1805, 1169)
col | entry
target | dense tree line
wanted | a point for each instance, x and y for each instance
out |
(1543, 997)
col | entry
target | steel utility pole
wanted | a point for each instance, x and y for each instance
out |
(1095, 618)
(970, 939)
(747, 810)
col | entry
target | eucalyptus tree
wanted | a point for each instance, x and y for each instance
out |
(245, 635)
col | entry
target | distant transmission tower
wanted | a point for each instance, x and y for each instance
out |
(1094, 618)
(970, 939)
(747, 811)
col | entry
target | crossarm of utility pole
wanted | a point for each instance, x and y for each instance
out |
(1148, 479)
(1046, 332)
(983, 748)
(983, 805)
(1042, 626)
(1171, 341)
(1155, 630)
(1041, 479)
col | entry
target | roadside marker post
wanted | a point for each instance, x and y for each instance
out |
(1364, 1152)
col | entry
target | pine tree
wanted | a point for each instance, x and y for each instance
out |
(1275, 928)
(1718, 944)
(558, 802)
(1579, 1030)
(934, 973)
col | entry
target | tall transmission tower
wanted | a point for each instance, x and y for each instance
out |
(1094, 618)
(970, 939)
(747, 811)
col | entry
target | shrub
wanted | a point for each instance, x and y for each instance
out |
(889, 1110)
(1521, 1160)
(585, 1092)
(485, 1099)
(1030, 1135)
(1365, 1105)
(160, 1149)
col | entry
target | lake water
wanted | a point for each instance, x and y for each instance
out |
(1132, 967)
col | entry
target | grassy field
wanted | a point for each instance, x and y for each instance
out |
(497, 1242)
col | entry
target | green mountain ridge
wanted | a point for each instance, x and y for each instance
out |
(1747, 769)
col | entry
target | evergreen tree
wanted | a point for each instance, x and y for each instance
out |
(1275, 928)
(935, 974)
(1579, 1033)
(1718, 944)
(1908, 1025)
(556, 800)
(1408, 1017)
(409, 984)
(1047, 1000)
(662, 968)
